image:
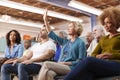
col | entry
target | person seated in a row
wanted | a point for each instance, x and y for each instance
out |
(14, 47)
(98, 32)
(89, 37)
(73, 50)
(30, 63)
(106, 56)
(27, 46)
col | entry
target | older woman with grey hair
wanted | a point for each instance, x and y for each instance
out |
(98, 32)
(72, 52)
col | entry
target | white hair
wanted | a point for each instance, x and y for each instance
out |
(98, 27)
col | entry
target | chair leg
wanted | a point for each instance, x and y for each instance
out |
(12, 77)
(30, 77)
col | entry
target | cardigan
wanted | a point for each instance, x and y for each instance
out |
(76, 52)
(111, 45)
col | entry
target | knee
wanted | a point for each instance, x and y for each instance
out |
(4, 68)
(21, 67)
(47, 64)
(89, 60)
(51, 73)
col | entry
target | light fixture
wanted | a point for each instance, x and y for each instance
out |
(11, 20)
(24, 7)
(6, 17)
(84, 7)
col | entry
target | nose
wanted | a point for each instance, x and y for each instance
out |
(12, 35)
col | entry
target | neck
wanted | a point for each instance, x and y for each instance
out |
(44, 40)
(12, 43)
(73, 37)
(113, 33)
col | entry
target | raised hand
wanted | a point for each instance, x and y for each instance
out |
(45, 15)
(46, 21)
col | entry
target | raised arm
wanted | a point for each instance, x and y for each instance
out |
(46, 21)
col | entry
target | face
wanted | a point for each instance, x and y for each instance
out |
(43, 32)
(89, 37)
(97, 33)
(71, 29)
(27, 44)
(108, 25)
(12, 36)
(39, 38)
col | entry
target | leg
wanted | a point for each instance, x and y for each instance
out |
(25, 70)
(94, 67)
(53, 68)
(50, 75)
(7, 69)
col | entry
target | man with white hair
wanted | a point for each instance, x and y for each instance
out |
(98, 33)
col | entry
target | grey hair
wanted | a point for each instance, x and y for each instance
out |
(64, 34)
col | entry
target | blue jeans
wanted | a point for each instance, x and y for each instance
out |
(7, 69)
(25, 70)
(91, 68)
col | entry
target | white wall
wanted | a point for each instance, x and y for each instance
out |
(6, 27)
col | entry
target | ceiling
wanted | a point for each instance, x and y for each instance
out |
(54, 5)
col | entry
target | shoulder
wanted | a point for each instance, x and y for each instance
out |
(19, 45)
(50, 42)
(79, 40)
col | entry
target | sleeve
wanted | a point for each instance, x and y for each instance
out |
(56, 38)
(6, 52)
(82, 53)
(97, 50)
(116, 56)
(89, 50)
(20, 51)
(52, 46)
(32, 47)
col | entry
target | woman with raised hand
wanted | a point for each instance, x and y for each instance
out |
(73, 51)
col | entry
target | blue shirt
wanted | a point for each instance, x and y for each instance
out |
(17, 51)
(57, 54)
(71, 51)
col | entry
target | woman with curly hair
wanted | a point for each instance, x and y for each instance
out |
(106, 56)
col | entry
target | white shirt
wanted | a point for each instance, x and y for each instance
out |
(39, 49)
(92, 47)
